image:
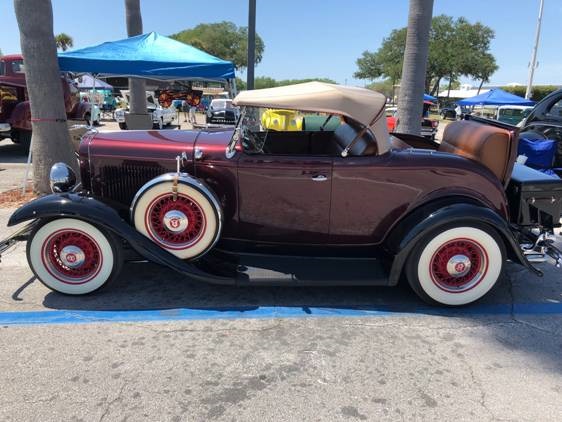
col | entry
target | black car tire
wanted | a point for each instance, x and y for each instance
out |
(456, 264)
(123, 126)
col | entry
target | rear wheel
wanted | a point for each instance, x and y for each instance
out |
(456, 265)
(123, 126)
(73, 257)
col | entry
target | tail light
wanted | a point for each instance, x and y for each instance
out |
(434, 123)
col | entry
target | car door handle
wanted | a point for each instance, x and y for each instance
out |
(319, 178)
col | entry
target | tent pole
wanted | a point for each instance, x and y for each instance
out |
(24, 184)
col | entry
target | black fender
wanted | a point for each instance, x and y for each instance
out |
(409, 231)
(96, 212)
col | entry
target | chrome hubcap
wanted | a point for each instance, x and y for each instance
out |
(175, 221)
(458, 266)
(72, 256)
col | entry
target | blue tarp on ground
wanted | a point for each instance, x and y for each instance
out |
(496, 97)
(152, 56)
(87, 82)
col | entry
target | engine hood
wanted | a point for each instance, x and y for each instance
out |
(150, 145)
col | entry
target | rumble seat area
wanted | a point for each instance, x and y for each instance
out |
(494, 147)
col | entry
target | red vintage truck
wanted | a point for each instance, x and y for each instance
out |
(15, 113)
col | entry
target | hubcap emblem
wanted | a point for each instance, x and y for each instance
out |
(175, 221)
(72, 256)
(458, 265)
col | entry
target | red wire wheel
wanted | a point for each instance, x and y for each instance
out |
(72, 256)
(176, 223)
(459, 265)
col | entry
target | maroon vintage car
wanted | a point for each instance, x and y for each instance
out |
(351, 205)
(15, 113)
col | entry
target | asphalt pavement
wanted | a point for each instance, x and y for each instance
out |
(154, 346)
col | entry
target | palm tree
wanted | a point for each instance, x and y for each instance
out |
(410, 103)
(64, 41)
(50, 140)
(137, 87)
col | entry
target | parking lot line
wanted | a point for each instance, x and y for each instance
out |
(266, 312)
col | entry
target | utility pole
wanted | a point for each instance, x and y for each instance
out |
(533, 64)
(251, 43)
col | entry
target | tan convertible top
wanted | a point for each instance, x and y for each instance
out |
(360, 104)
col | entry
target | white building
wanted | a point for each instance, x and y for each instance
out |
(465, 91)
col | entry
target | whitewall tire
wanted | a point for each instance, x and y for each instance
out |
(187, 226)
(72, 256)
(456, 265)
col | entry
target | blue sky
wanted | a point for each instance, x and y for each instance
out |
(321, 38)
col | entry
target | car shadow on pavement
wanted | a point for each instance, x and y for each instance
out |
(145, 286)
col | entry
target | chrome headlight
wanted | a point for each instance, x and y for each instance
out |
(62, 178)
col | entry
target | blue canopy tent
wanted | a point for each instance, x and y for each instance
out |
(496, 97)
(427, 97)
(151, 56)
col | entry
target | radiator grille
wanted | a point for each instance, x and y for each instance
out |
(121, 183)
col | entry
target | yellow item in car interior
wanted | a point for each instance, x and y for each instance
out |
(285, 120)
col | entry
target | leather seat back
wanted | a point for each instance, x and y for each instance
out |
(494, 147)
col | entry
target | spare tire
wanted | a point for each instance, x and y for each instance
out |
(186, 224)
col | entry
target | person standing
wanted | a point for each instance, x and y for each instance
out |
(192, 118)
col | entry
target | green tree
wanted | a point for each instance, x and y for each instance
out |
(268, 82)
(50, 137)
(224, 40)
(410, 104)
(456, 48)
(64, 41)
(385, 87)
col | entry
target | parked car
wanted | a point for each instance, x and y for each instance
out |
(448, 113)
(161, 116)
(222, 111)
(391, 118)
(545, 122)
(15, 112)
(350, 206)
(428, 126)
(452, 112)
(512, 114)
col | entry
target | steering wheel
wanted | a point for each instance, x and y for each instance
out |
(251, 142)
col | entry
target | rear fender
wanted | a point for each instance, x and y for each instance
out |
(416, 225)
(96, 212)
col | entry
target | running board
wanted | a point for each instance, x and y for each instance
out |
(298, 271)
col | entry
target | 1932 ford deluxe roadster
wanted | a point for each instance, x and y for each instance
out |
(349, 205)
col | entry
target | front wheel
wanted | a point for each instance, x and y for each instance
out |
(456, 265)
(73, 257)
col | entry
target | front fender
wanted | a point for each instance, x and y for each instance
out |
(96, 212)
(418, 225)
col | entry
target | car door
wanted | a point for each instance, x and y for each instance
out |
(284, 198)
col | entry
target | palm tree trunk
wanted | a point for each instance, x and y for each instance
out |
(449, 89)
(480, 86)
(51, 139)
(410, 103)
(137, 87)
